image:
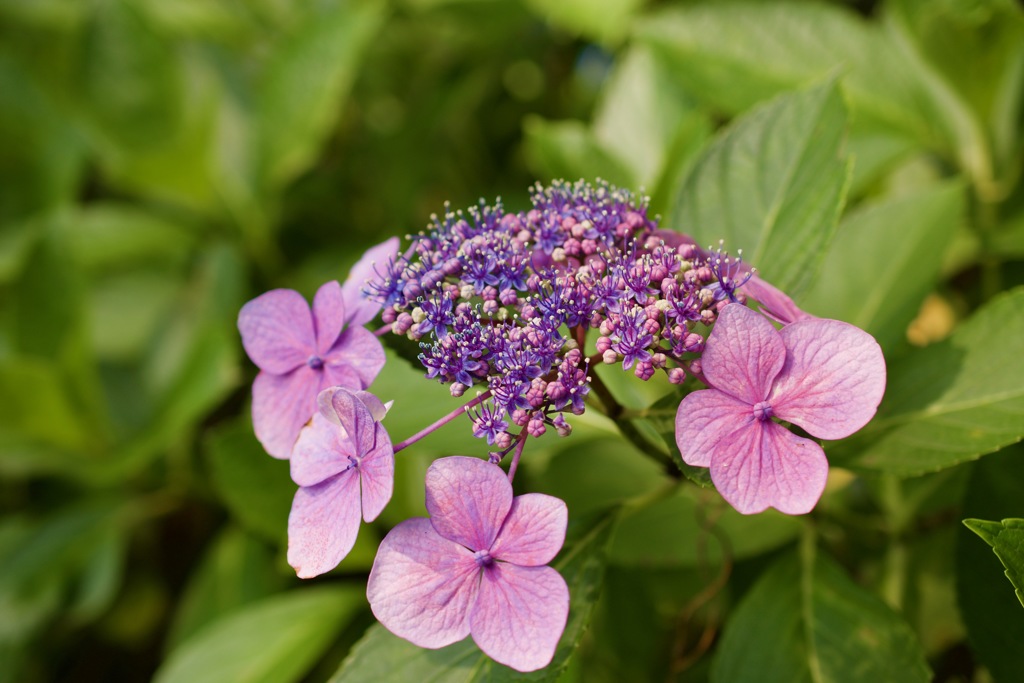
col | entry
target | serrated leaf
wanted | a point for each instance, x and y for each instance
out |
(275, 640)
(381, 656)
(951, 402)
(883, 297)
(773, 185)
(824, 627)
(1007, 541)
(305, 84)
(995, 623)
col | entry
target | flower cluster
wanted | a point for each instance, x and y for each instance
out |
(505, 301)
(520, 306)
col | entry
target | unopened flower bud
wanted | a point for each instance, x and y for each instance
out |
(457, 389)
(676, 375)
(603, 344)
(609, 357)
(644, 370)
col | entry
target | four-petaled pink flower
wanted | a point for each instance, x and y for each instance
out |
(345, 468)
(824, 376)
(301, 352)
(476, 567)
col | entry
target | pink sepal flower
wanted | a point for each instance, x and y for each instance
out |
(476, 567)
(345, 468)
(300, 352)
(775, 303)
(825, 376)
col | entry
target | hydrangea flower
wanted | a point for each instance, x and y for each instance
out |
(824, 376)
(300, 352)
(476, 567)
(345, 468)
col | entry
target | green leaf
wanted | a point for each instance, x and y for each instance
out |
(603, 20)
(568, 149)
(1007, 541)
(995, 623)
(275, 640)
(256, 488)
(107, 235)
(950, 402)
(639, 114)
(235, 570)
(823, 627)
(381, 656)
(694, 527)
(875, 276)
(772, 185)
(306, 83)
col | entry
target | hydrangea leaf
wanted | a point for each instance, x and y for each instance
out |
(381, 656)
(1007, 541)
(306, 83)
(773, 185)
(275, 640)
(568, 149)
(883, 297)
(824, 627)
(950, 402)
(993, 619)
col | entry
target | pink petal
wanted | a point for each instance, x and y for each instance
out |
(744, 353)
(833, 379)
(320, 453)
(360, 352)
(323, 525)
(765, 465)
(358, 308)
(774, 303)
(277, 330)
(421, 585)
(468, 500)
(705, 418)
(534, 530)
(328, 315)
(281, 405)
(377, 474)
(520, 615)
(356, 422)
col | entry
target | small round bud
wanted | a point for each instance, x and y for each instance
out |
(676, 375)
(609, 357)
(457, 389)
(603, 344)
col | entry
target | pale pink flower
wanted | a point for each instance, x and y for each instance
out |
(476, 567)
(344, 465)
(824, 376)
(300, 352)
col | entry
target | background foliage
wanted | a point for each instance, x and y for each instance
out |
(161, 162)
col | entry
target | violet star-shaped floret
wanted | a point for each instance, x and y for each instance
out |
(476, 567)
(345, 468)
(300, 352)
(824, 376)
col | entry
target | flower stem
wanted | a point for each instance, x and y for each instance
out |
(515, 456)
(442, 422)
(380, 332)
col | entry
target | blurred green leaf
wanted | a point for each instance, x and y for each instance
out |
(105, 236)
(236, 569)
(1007, 541)
(951, 402)
(130, 80)
(256, 488)
(639, 114)
(693, 528)
(381, 656)
(734, 54)
(885, 259)
(101, 576)
(824, 627)
(995, 623)
(306, 82)
(275, 640)
(568, 149)
(772, 185)
(606, 21)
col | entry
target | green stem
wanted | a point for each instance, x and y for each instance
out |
(894, 571)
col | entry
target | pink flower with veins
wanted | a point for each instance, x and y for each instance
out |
(476, 567)
(345, 468)
(300, 352)
(824, 376)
